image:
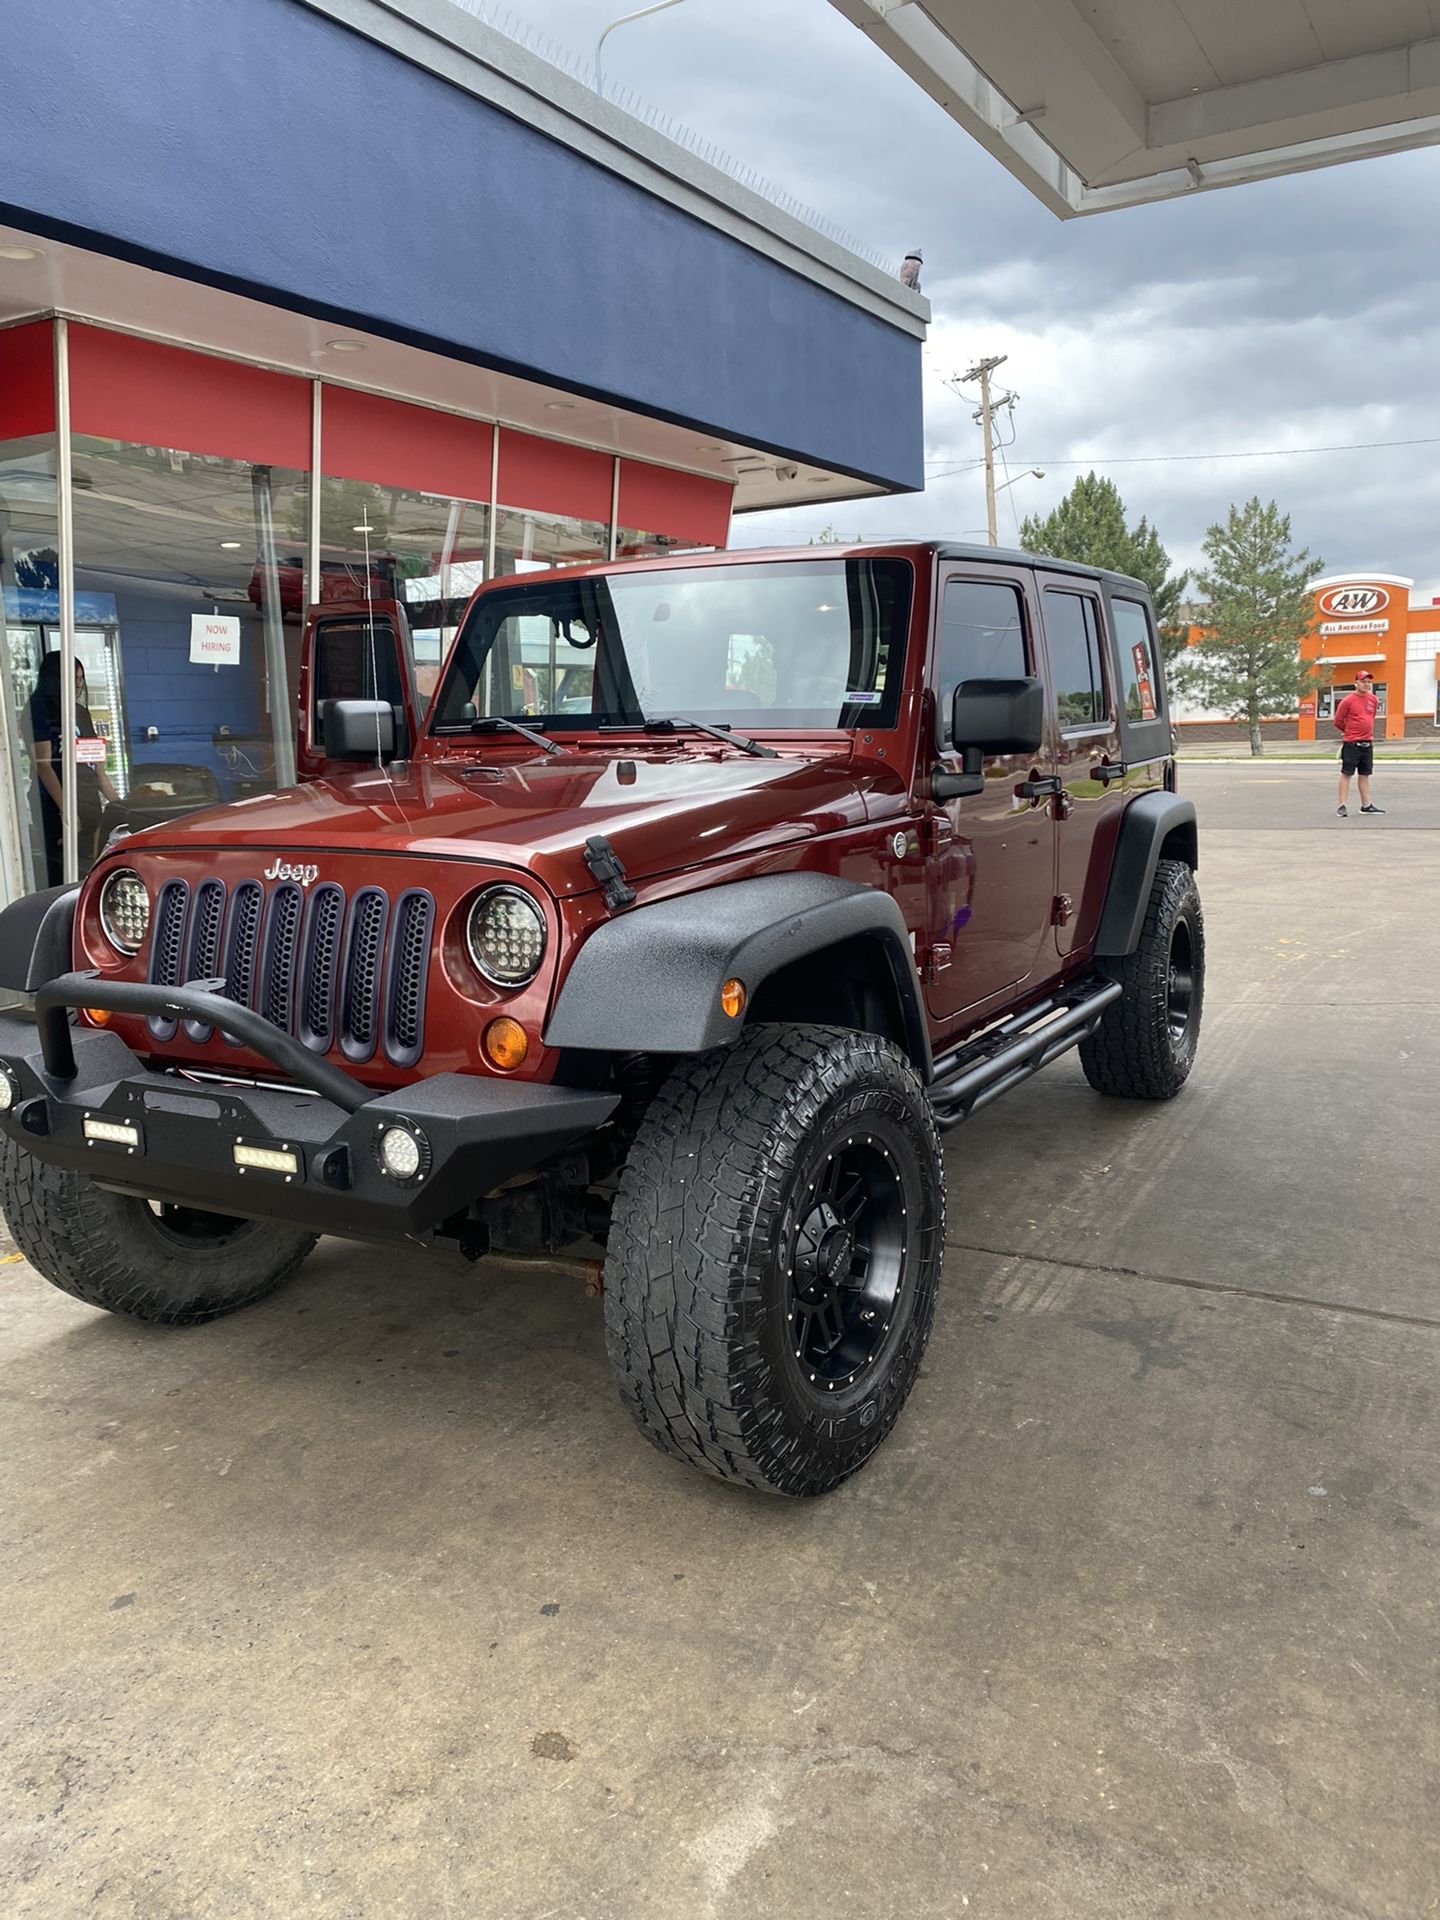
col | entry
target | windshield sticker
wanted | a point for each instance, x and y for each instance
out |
(861, 697)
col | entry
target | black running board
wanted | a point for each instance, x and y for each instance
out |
(983, 1069)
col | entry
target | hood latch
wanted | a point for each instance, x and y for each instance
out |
(603, 861)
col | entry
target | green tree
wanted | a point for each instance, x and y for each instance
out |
(1089, 525)
(1254, 613)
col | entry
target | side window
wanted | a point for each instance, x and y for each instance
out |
(1072, 622)
(982, 637)
(1139, 668)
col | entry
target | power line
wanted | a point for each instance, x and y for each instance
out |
(1169, 459)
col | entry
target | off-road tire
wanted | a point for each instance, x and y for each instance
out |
(710, 1224)
(1145, 1044)
(116, 1252)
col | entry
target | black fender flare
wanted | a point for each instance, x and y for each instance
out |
(1150, 821)
(648, 981)
(35, 938)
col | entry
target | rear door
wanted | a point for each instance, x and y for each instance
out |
(355, 650)
(990, 872)
(1088, 763)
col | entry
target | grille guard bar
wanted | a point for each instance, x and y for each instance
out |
(201, 1000)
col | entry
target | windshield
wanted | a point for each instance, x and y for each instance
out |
(775, 644)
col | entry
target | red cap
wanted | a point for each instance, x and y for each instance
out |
(1363, 674)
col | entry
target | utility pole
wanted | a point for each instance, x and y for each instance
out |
(982, 371)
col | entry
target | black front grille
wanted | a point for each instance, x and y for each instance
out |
(320, 962)
(360, 995)
(167, 947)
(282, 949)
(242, 948)
(331, 971)
(206, 920)
(408, 968)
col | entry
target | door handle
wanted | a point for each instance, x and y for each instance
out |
(1044, 787)
(1109, 770)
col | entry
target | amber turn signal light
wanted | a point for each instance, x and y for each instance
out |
(505, 1044)
(98, 1016)
(732, 998)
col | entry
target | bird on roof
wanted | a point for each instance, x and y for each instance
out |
(910, 269)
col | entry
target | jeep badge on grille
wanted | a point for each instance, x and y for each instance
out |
(282, 870)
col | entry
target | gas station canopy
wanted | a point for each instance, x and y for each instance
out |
(1096, 104)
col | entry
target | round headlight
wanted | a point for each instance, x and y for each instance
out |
(125, 910)
(506, 935)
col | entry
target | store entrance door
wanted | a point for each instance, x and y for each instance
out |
(24, 645)
(98, 651)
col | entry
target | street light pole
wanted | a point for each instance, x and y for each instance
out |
(1031, 473)
(640, 13)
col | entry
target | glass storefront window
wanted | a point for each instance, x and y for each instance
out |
(425, 550)
(187, 609)
(532, 542)
(30, 589)
(631, 543)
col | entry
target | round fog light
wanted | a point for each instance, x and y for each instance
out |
(7, 1091)
(403, 1155)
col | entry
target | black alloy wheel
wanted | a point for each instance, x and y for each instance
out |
(848, 1264)
(1180, 981)
(774, 1256)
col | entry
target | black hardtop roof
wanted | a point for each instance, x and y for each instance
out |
(1019, 557)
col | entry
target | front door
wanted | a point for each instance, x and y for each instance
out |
(992, 853)
(358, 650)
(1087, 752)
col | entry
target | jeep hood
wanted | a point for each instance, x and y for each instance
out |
(659, 811)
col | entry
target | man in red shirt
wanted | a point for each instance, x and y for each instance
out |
(1355, 721)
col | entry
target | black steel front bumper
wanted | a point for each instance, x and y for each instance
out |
(474, 1133)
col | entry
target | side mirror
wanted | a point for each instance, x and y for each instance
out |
(998, 716)
(990, 716)
(359, 729)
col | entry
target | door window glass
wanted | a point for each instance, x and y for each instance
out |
(1139, 674)
(1073, 625)
(982, 637)
(356, 660)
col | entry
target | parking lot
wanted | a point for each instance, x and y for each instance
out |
(370, 1602)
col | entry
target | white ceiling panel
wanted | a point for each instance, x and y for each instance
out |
(1097, 104)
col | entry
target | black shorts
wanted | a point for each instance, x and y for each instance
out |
(1358, 756)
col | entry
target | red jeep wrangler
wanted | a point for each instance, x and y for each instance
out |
(708, 891)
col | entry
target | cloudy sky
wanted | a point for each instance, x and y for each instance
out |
(1293, 313)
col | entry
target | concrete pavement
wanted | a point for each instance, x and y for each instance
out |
(1263, 795)
(369, 1604)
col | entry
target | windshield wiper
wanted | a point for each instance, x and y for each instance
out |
(726, 734)
(490, 721)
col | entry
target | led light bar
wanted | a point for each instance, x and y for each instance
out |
(266, 1159)
(115, 1133)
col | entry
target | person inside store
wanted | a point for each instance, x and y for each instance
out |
(92, 783)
